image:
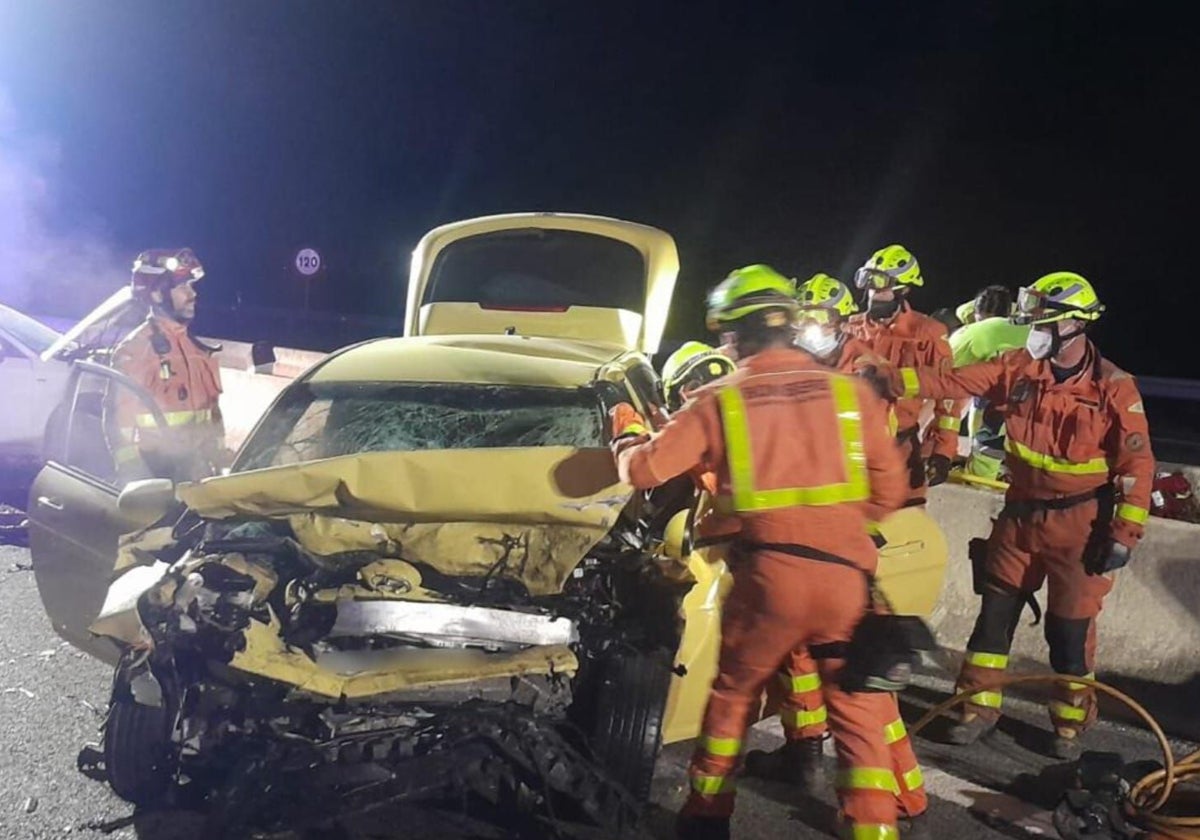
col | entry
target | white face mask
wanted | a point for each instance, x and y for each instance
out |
(818, 341)
(1040, 343)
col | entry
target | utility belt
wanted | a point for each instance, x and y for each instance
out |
(882, 650)
(1024, 508)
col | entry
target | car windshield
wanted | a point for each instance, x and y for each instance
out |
(328, 420)
(539, 269)
(30, 333)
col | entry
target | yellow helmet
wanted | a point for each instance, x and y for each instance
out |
(751, 289)
(965, 312)
(824, 292)
(1056, 297)
(891, 266)
(692, 365)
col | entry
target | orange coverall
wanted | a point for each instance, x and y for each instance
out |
(914, 340)
(1068, 445)
(185, 381)
(767, 431)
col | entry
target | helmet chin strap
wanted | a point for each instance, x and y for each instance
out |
(1059, 344)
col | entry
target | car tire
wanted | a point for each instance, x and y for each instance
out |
(138, 755)
(630, 704)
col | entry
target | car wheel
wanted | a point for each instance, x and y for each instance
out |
(631, 700)
(139, 758)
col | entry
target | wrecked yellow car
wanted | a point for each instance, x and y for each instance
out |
(422, 574)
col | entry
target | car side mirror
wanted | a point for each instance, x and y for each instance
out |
(678, 539)
(149, 499)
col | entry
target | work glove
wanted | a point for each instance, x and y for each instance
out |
(1112, 556)
(628, 427)
(883, 376)
(937, 470)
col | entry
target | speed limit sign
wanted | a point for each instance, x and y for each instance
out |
(308, 262)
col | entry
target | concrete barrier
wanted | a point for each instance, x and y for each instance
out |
(1150, 627)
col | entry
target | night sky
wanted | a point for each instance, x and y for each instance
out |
(998, 141)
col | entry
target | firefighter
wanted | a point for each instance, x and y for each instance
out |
(825, 304)
(177, 370)
(804, 460)
(1078, 452)
(691, 366)
(905, 337)
(989, 333)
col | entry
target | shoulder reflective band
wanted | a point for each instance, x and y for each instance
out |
(868, 831)
(1051, 464)
(801, 683)
(867, 778)
(987, 660)
(990, 699)
(1065, 711)
(713, 785)
(1133, 513)
(722, 747)
(738, 451)
(949, 422)
(799, 718)
(894, 731)
(176, 418)
(912, 382)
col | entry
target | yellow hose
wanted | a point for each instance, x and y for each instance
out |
(1148, 795)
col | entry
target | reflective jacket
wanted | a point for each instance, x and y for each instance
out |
(185, 381)
(802, 454)
(914, 340)
(1063, 439)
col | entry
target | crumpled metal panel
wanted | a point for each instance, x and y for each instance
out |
(451, 625)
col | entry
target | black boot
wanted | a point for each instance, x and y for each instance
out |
(797, 762)
(914, 828)
(969, 731)
(701, 828)
(1064, 744)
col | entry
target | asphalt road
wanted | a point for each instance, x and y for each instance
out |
(51, 698)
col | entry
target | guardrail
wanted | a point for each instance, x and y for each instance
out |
(1167, 388)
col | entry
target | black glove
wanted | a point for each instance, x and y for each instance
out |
(937, 470)
(879, 539)
(1112, 556)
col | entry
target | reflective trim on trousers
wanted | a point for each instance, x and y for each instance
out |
(713, 785)
(721, 747)
(990, 699)
(869, 831)
(949, 423)
(799, 718)
(1065, 711)
(913, 779)
(867, 778)
(801, 683)
(987, 660)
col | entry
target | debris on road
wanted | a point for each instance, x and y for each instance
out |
(31, 805)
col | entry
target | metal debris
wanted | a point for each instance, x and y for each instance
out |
(31, 805)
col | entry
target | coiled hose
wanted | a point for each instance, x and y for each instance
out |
(1151, 793)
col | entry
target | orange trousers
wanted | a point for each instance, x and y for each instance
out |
(804, 715)
(1023, 552)
(778, 604)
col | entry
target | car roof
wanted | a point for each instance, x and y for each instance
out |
(475, 359)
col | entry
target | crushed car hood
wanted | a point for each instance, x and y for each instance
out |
(529, 514)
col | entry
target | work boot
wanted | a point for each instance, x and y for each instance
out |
(914, 828)
(969, 730)
(701, 828)
(797, 762)
(1064, 745)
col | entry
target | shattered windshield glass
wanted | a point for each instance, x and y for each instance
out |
(328, 420)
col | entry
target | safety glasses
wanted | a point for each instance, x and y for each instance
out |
(873, 278)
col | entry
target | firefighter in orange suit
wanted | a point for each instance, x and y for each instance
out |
(803, 458)
(825, 304)
(905, 337)
(178, 371)
(1078, 450)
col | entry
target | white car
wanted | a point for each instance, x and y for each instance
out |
(31, 382)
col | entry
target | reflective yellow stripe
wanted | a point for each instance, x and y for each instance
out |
(987, 660)
(633, 429)
(912, 382)
(867, 778)
(724, 747)
(801, 683)
(746, 497)
(712, 785)
(913, 779)
(1132, 513)
(991, 699)
(1049, 463)
(176, 418)
(797, 718)
(894, 731)
(1074, 686)
(1065, 711)
(949, 423)
(869, 831)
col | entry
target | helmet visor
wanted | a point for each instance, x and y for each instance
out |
(815, 315)
(873, 278)
(1036, 307)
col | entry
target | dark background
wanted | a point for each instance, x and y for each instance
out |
(997, 140)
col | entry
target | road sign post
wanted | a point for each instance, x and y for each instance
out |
(308, 263)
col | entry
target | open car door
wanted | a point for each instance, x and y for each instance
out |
(554, 275)
(74, 522)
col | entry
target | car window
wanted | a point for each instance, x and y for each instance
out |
(539, 269)
(33, 334)
(312, 421)
(83, 433)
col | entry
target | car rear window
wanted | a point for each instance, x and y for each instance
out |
(539, 269)
(328, 420)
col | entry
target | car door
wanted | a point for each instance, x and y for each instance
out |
(74, 521)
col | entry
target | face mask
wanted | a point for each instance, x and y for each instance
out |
(1040, 343)
(817, 341)
(881, 310)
